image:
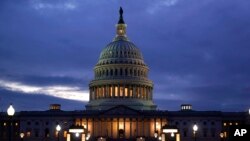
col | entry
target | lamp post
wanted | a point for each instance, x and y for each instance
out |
(58, 129)
(156, 134)
(222, 136)
(10, 112)
(21, 136)
(195, 129)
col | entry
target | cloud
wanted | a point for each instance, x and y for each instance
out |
(56, 5)
(158, 4)
(71, 93)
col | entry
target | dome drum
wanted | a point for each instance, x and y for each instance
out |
(120, 71)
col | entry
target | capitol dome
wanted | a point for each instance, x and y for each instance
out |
(121, 76)
(121, 51)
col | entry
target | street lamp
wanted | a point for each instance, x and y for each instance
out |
(172, 134)
(77, 134)
(58, 129)
(10, 112)
(221, 136)
(195, 128)
(21, 136)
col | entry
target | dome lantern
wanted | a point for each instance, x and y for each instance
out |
(121, 27)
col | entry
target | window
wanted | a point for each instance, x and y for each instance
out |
(185, 133)
(204, 123)
(46, 132)
(65, 134)
(213, 132)
(121, 72)
(28, 134)
(204, 132)
(176, 123)
(111, 91)
(184, 123)
(115, 72)
(121, 92)
(111, 72)
(116, 91)
(126, 92)
(36, 133)
(130, 92)
(212, 123)
(107, 73)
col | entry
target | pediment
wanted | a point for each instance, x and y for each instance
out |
(121, 110)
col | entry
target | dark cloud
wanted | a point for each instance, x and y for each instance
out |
(197, 51)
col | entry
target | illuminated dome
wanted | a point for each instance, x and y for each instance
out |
(121, 51)
(121, 76)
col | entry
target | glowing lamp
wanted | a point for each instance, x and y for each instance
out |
(11, 110)
(195, 128)
(22, 135)
(58, 128)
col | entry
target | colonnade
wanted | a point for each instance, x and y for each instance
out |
(121, 91)
(131, 127)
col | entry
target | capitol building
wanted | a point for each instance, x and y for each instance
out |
(120, 108)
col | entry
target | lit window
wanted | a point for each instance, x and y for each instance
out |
(225, 133)
(78, 122)
(16, 124)
(4, 124)
(230, 123)
(224, 124)
(65, 134)
(28, 134)
(126, 92)
(130, 93)
(121, 91)
(236, 123)
(116, 91)
(111, 92)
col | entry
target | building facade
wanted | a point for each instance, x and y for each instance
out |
(121, 107)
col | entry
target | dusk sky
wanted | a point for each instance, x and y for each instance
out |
(198, 51)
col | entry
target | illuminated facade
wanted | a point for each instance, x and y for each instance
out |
(120, 108)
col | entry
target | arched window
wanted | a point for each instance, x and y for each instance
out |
(120, 71)
(107, 72)
(116, 72)
(111, 72)
(126, 72)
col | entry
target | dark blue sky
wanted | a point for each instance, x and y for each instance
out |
(198, 51)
